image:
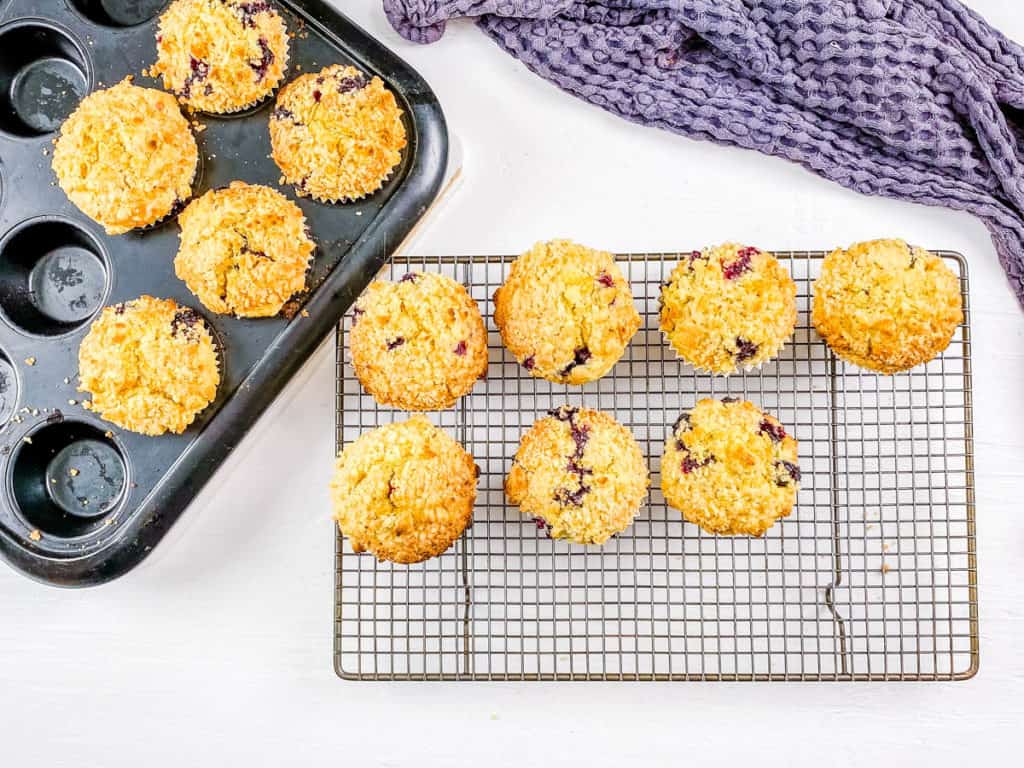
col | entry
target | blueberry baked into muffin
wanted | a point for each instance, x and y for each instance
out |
(150, 364)
(730, 468)
(580, 474)
(418, 343)
(566, 312)
(126, 157)
(885, 305)
(221, 56)
(245, 250)
(337, 135)
(404, 491)
(728, 308)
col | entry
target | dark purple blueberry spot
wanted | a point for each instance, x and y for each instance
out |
(684, 418)
(396, 342)
(200, 70)
(266, 59)
(568, 498)
(317, 96)
(460, 348)
(564, 413)
(409, 277)
(208, 90)
(356, 314)
(542, 525)
(689, 464)
(740, 265)
(356, 83)
(694, 256)
(119, 308)
(579, 357)
(787, 473)
(249, 10)
(730, 399)
(606, 280)
(529, 362)
(282, 113)
(745, 349)
(320, 80)
(184, 322)
(774, 431)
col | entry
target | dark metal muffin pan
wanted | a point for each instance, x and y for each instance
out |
(82, 501)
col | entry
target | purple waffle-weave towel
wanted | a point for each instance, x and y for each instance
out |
(915, 99)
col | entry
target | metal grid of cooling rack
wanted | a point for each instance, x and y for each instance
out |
(873, 577)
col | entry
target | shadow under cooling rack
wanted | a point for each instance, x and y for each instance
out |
(873, 576)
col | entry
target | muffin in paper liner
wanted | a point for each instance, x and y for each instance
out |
(126, 157)
(886, 306)
(580, 474)
(404, 491)
(730, 468)
(150, 365)
(221, 56)
(336, 135)
(728, 308)
(245, 250)
(419, 343)
(566, 312)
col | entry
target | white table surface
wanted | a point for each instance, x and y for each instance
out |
(217, 650)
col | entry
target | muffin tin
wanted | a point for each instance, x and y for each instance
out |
(83, 502)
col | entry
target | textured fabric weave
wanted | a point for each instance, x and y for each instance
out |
(913, 99)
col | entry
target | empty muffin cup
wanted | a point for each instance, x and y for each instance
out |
(67, 478)
(119, 13)
(44, 74)
(53, 276)
(8, 388)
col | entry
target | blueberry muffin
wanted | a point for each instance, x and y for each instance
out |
(419, 343)
(337, 135)
(245, 250)
(126, 157)
(221, 56)
(886, 306)
(580, 474)
(150, 364)
(730, 468)
(728, 308)
(404, 491)
(566, 312)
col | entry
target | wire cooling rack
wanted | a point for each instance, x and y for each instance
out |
(873, 577)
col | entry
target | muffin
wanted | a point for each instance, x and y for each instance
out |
(336, 135)
(565, 312)
(419, 343)
(221, 56)
(245, 250)
(404, 491)
(730, 468)
(886, 306)
(126, 157)
(580, 474)
(728, 308)
(150, 364)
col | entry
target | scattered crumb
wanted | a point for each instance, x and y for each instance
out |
(35, 411)
(886, 568)
(30, 361)
(53, 481)
(885, 547)
(67, 380)
(73, 472)
(72, 402)
(27, 440)
(108, 434)
(85, 502)
(359, 213)
(87, 404)
(494, 716)
(305, 313)
(35, 535)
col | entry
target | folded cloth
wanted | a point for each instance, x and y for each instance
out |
(919, 100)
